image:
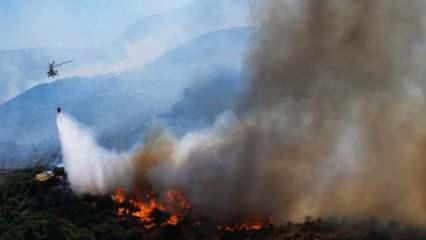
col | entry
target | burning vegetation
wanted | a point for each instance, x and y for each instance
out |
(33, 209)
(155, 213)
(150, 210)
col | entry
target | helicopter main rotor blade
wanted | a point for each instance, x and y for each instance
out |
(60, 64)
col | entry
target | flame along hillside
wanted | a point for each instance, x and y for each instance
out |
(153, 212)
(146, 206)
(45, 208)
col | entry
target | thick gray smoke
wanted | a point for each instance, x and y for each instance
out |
(333, 123)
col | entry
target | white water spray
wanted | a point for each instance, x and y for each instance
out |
(90, 167)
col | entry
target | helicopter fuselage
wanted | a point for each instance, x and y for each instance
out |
(52, 73)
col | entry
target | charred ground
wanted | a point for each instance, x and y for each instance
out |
(31, 209)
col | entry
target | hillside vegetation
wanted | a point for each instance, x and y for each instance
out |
(30, 209)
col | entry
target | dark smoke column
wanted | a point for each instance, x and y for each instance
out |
(333, 122)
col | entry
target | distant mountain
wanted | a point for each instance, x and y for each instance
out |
(204, 101)
(150, 37)
(119, 107)
(193, 19)
(144, 41)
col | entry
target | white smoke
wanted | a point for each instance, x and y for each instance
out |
(90, 167)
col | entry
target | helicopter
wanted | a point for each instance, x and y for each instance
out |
(52, 72)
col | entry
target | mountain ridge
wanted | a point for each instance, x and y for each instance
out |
(29, 119)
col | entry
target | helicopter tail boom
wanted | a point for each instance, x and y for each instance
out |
(60, 64)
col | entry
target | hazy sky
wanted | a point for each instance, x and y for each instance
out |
(71, 23)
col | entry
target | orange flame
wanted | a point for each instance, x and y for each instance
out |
(254, 224)
(144, 208)
(119, 196)
(148, 208)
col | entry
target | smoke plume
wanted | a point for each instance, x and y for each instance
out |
(333, 122)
